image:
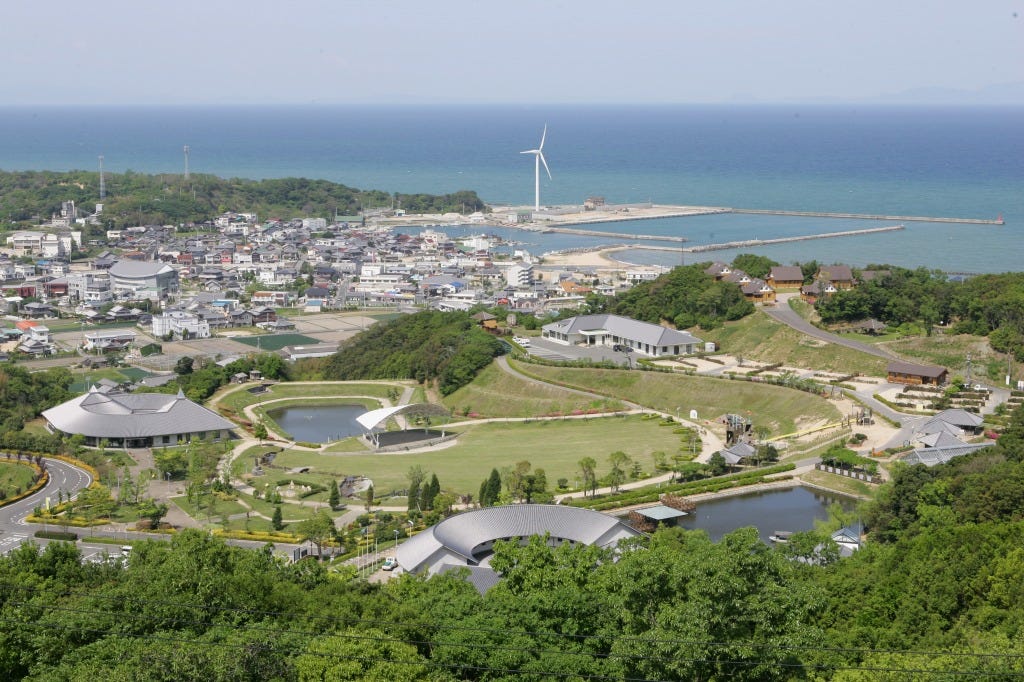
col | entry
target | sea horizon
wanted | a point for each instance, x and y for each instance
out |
(930, 160)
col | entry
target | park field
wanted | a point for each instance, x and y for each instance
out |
(554, 445)
(14, 477)
(759, 337)
(494, 393)
(239, 398)
(782, 410)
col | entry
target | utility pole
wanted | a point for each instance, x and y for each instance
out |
(186, 161)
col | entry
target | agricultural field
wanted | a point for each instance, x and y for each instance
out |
(759, 337)
(556, 446)
(495, 393)
(273, 342)
(782, 410)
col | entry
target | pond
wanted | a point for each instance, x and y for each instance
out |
(319, 423)
(793, 509)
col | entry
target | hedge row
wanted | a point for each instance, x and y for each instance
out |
(687, 488)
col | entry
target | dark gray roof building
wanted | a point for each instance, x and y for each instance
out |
(607, 330)
(467, 539)
(137, 419)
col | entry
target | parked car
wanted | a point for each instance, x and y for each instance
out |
(390, 564)
(522, 341)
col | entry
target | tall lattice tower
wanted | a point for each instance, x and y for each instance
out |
(186, 162)
(103, 182)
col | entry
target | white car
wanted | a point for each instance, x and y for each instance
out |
(390, 564)
(522, 341)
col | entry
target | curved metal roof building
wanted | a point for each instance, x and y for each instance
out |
(135, 419)
(467, 538)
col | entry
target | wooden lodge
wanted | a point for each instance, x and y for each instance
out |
(900, 372)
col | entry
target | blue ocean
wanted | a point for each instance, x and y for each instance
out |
(942, 162)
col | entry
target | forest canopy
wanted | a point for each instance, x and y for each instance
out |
(445, 346)
(142, 199)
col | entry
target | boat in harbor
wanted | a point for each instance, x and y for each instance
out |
(781, 537)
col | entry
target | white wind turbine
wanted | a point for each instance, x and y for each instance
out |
(538, 154)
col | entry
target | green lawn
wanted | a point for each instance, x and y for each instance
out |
(14, 477)
(494, 393)
(761, 338)
(556, 446)
(951, 351)
(783, 410)
(241, 398)
(272, 342)
(119, 374)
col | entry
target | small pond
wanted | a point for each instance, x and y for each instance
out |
(319, 423)
(792, 509)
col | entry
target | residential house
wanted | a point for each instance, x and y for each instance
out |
(841, 276)
(786, 277)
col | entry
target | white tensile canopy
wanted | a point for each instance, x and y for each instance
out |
(375, 418)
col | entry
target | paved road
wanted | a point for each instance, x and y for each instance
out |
(13, 528)
(786, 315)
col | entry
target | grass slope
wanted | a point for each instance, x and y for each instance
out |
(495, 393)
(556, 446)
(761, 338)
(783, 410)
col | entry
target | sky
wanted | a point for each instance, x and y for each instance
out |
(215, 52)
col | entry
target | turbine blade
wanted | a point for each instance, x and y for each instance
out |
(545, 162)
(542, 137)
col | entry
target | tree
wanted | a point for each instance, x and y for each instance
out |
(259, 430)
(317, 529)
(277, 520)
(490, 489)
(619, 461)
(153, 512)
(588, 472)
(717, 464)
(429, 492)
(415, 476)
(184, 366)
(334, 499)
(369, 498)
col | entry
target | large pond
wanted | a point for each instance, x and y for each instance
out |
(792, 509)
(319, 423)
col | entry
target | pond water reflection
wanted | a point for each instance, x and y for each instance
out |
(793, 509)
(319, 423)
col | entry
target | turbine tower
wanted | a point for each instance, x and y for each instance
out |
(103, 184)
(186, 162)
(538, 154)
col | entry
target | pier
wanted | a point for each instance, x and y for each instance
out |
(782, 240)
(867, 216)
(700, 248)
(617, 235)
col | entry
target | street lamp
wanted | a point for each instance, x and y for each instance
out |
(396, 537)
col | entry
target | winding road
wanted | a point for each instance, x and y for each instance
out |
(787, 316)
(63, 477)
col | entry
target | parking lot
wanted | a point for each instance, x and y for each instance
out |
(549, 350)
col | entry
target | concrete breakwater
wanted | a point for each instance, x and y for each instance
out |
(699, 248)
(616, 235)
(781, 240)
(867, 216)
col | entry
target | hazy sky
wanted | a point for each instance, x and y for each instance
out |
(526, 51)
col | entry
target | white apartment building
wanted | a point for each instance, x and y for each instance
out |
(519, 275)
(180, 324)
(90, 287)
